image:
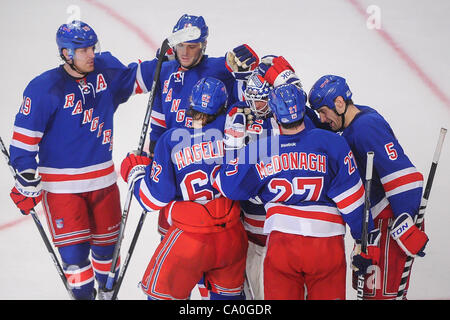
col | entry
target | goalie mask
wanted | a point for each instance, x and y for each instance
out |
(256, 94)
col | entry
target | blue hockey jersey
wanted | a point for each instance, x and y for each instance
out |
(396, 181)
(308, 181)
(68, 123)
(254, 213)
(184, 161)
(175, 87)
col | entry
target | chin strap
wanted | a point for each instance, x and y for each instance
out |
(342, 117)
(73, 67)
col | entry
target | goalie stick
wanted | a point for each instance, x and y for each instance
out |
(40, 229)
(423, 205)
(183, 35)
(365, 225)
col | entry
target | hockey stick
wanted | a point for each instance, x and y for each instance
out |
(423, 205)
(365, 226)
(40, 229)
(129, 254)
(183, 35)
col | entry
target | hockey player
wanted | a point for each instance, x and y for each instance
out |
(66, 121)
(396, 185)
(179, 76)
(206, 236)
(272, 71)
(311, 189)
(188, 64)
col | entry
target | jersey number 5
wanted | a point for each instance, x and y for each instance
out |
(391, 152)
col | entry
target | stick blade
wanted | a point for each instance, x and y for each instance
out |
(184, 35)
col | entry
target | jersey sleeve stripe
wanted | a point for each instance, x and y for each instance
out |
(139, 86)
(148, 199)
(158, 119)
(26, 139)
(411, 179)
(350, 199)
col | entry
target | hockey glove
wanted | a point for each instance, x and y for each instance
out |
(277, 71)
(133, 166)
(169, 56)
(242, 59)
(235, 129)
(360, 260)
(27, 192)
(409, 237)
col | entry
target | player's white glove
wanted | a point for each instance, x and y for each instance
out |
(411, 239)
(277, 71)
(235, 129)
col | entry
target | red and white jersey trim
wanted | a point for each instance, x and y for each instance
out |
(26, 139)
(351, 199)
(77, 180)
(401, 181)
(254, 223)
(158, 119)
(139, 84)
(313, 220)
(150, 202)
(379, 207)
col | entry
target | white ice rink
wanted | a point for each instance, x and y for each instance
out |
(401, 69)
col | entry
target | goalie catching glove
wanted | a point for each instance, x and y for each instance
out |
(409, 237)
(27, 192)
(360, 260)
(133, 166)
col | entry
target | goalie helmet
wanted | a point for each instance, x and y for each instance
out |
(209, 96)
(74, 35)
(257, 90)
(326, 90)
(196, 21)
(288, 103)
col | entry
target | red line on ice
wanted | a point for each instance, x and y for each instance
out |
(125, 22)
(404, 56)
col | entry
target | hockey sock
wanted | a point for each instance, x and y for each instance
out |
(101, 261)
(78, 270)
(204, 292)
